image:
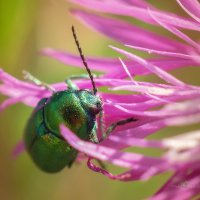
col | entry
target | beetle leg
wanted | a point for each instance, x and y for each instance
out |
(30, 77)
(101, 123)
(93, 137)
(114, 125)
(73, 86)
(101, 164)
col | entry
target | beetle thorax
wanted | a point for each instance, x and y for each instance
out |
(77, 109)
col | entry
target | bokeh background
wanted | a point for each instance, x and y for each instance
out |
(26, 27)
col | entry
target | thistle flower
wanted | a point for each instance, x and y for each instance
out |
(154, 105)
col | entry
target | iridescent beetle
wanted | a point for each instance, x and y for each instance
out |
(77, 109)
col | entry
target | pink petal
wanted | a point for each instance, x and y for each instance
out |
(14, 88)
(31, 94)
(139, 3)
(171, 110)
(20, 91)
(118, 98)
(180, 186)
(10, 101)
(176, 32)
(123, 159)
(138, 13)
(139, 132)
(137, 69)
(127, 33)
(113, 67)
(111, 82)
(192, 7)
(165, 53)
(19, 148)
(100, 64)
(183, 120)
(161, 73)
(12, 81)
(114, 141)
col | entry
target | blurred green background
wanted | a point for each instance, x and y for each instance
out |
(25, 28)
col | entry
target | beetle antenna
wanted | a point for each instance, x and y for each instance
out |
(84, 61)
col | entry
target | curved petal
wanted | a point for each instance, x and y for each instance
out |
(161, 73)
(128, 33)
(176, 32)
(99, 64)
(19, 148)
(115, 7)
(192, 7)
(139, 3)
(166, 53)
(112, 66)
(123, 159)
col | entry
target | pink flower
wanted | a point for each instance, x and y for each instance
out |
(154, 105)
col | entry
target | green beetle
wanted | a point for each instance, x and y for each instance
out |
(75, 108)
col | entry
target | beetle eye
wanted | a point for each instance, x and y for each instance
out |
(99, 104)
